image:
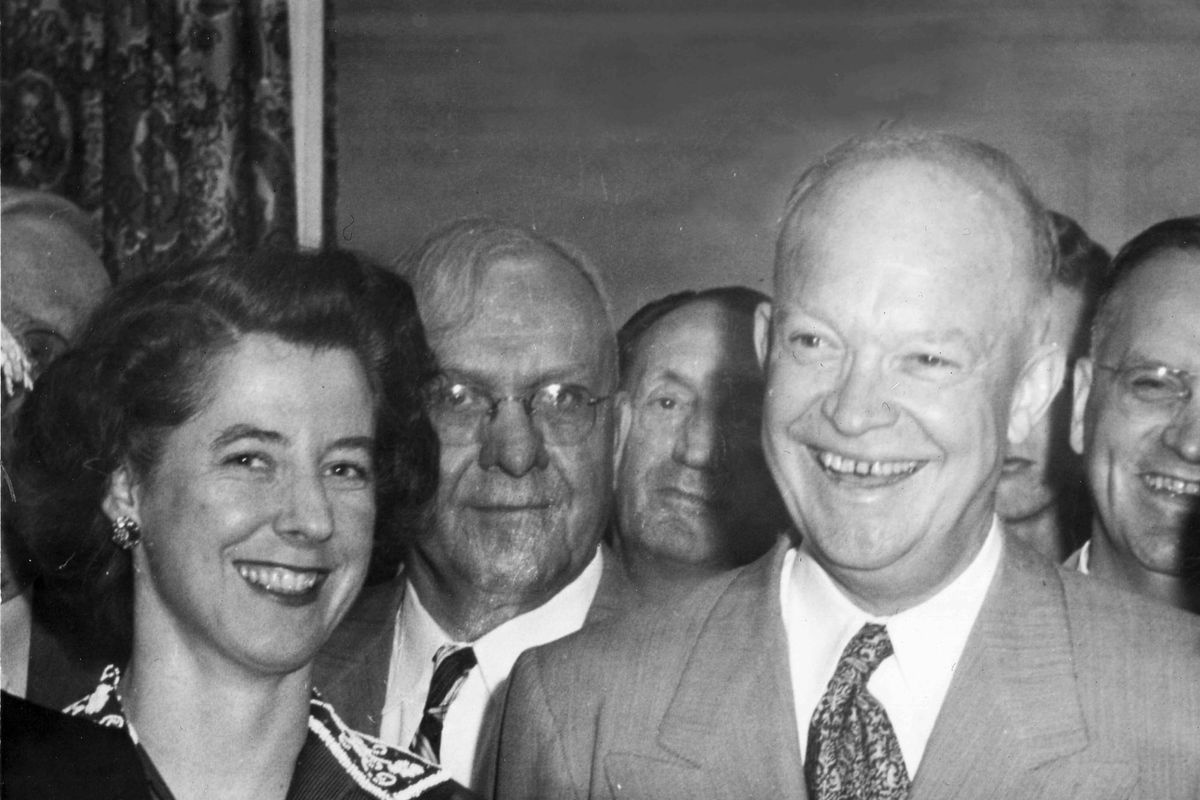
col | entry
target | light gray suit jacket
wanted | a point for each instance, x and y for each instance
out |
(1066, 689)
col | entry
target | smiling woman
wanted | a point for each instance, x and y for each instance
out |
(210, 472)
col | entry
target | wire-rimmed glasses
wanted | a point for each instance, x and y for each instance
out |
(564, 413)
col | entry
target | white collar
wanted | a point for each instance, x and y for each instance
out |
(497, 650)
(927, 639)
(1084, 564)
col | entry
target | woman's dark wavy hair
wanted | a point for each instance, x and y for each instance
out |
(143, 365)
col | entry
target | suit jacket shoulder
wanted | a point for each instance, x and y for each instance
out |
(351, 670)
(671, 701)
(616, 594)
(1068, 687)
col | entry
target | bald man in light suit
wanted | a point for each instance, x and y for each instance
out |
(906, 347)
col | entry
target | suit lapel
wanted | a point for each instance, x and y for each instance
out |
(1013, 704)
(351, 671)
(733, 713)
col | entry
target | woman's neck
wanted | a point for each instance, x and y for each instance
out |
(213, 732)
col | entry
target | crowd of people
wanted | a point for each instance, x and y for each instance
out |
(923, 523)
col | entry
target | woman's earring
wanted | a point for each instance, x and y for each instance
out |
(125, 533)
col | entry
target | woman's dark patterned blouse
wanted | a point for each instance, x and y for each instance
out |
(335, 761)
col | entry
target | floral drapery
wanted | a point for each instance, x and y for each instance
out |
(168, 120)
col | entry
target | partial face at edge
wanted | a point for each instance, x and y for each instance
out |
(692, 485)
(1143, 460)
(897, 373)
(1035, 468)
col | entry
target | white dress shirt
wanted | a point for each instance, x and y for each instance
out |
(819, 620)
(473, 717)
(1083, 564)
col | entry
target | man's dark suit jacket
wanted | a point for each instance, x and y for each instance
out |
(1066, 689)
(351, 671)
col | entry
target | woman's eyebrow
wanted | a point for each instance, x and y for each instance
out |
(243, 431)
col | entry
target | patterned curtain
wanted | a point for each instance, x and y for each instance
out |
(168, 120)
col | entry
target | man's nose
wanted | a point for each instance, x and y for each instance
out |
(1182, 434)
(699, 444)
(858, 402)
(306, 511)
(511, 441)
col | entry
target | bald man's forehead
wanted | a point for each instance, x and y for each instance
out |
(886, 193)
(53, 277)
(703, 330)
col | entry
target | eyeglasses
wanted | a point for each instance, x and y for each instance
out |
(1153, 385)
(563, 413)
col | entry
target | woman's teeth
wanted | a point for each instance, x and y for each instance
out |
(279, 579)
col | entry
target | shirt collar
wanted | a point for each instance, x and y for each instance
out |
(1085, 558)
(497, 650)
(927, 639)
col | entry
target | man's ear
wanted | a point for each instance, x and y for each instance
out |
(624, 407)
(121, 498)
(762, 333)
(1040, 381)
(1084, 372)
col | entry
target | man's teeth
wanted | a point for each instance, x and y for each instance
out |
(883, 469)
(1161, 483)
(279, 579)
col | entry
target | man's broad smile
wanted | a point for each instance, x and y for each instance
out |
(1167, 484)
(862, 473)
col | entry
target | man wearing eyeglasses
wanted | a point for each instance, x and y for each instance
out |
(1136, 419)
(510, 556)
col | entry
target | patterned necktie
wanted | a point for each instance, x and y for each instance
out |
(852, 748)
(452, 665)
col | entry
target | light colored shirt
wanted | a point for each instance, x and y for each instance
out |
(928, 639)
(473, 718)
(1082, 559)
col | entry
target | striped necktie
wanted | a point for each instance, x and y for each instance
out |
(452, 663)
(853, 752)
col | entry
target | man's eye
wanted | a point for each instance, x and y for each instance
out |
(932, 361)
(562, 397)
(806, 340)
(665, 403)
(1156, 386)
(459, 397)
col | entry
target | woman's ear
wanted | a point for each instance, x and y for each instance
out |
(121, 498)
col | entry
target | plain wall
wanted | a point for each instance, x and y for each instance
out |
(662, 137)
